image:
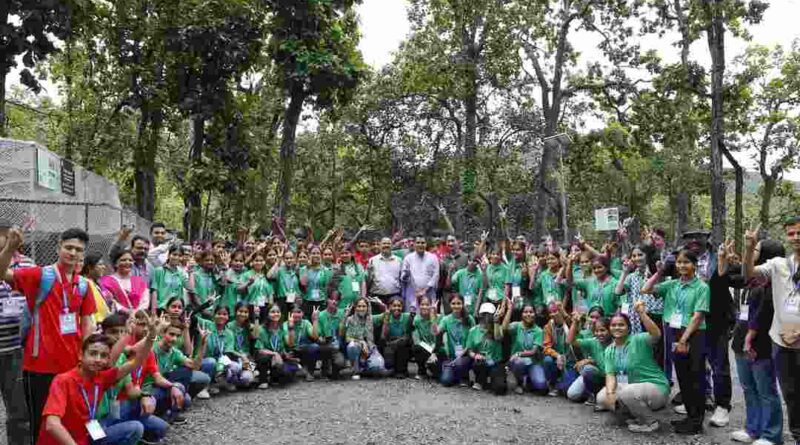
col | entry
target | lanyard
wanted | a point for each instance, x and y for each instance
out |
(681, 297)
(289, 280)
(91, 407)
(64, 295)
(793, 271)
(621, 359)
(470, 283)
(527, 339)
(274, 338)
(239, 342)
(137, 375)
(313, 278)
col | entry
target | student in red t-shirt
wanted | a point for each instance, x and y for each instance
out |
(65, 317)
(70, 412)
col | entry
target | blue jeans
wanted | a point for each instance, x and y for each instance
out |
(589, 383)
(561, 380)
(120, 432)
(374, 362)
(455, 370)
(717, 355)
(763, 405)
(163, 398)
(525, 368)
(155, 428)
(209, 367)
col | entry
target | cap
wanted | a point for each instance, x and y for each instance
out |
(487, 308)
(694, 233)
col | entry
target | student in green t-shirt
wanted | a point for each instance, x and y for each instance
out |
(495, 278)
(468, 283)
(599, 289)
(275, 365)
(302, 339)
(287, 291)
(204, 284)
(170, 280)
(547, 287)
(394, 326)
(591, 369)
(331, 322)
(484, 346)
(258, 290)
(453, 330)
(234, 281)
(424, 332)
(176, 366)
(635, 384)
(527, 352)
(353, 281)
(314, 283)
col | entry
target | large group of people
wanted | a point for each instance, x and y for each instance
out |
(114, 348)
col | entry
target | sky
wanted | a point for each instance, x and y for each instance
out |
(384, 25)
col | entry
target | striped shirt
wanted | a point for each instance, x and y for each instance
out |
(11, 307)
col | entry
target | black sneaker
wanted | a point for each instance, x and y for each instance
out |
(678, 399)
(178, 419)
(689, 428)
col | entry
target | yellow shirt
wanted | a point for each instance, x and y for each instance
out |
(99, 302)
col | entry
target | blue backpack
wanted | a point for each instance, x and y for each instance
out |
(30, 319)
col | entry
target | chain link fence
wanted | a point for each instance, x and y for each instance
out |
(46, 220)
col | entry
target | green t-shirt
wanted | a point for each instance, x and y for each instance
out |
(455, 333)
(168, 360)
(259, 293)
(600, 294)
(205, 284)
(329, 324)
(398, 327)
(302, 332)
(218, 341)
(317, 283)
(681, 301)
(353, 279)
(635, 359)
(104, 407)
(593, 349)
(241, 339)
(546, 290)
(274, 341)
(288, 283)
(478, 340)
(467, 284)
(423, 331)
(497, 277)
(517, 279)
(525, 339)
(231, 295)
(167, 283)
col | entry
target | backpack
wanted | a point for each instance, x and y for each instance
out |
(30, 319)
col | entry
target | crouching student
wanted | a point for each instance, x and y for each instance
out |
(330, 324)
(423, 336)
(485, 348)
(238, 357)
(560, 360)
(395, 332)
(128, 401)
(453, 330)
(301, 339)
(70, 414)
(361, 349)
(176, 366)
(275, 366)
(223, 371)
(591, 368)
(635, 384)
(527, 352)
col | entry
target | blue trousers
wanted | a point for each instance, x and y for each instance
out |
(764, 412)
(155, 428)
(559, 379)
(529, 373)
(453, 371)
(120, 432)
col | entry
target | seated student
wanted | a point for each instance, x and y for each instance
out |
(484, 346)
(239, 351)
(274, 363)
(527, 352)
(331, 322)
(453, 329)
(559, 360)
(635, 385)
(361, 349)
(217, 364)
(71, 409)
(423, 337)
(591, 368)
(200, 379)
(301, 339)
(174, 364)
(395, 336)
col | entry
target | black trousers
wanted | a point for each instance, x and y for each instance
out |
(691, 369)
(333, 360)
(37, 388)
(421, 356)
(495, 374)
(788, 363)
(395, 354)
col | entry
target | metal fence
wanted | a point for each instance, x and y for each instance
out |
(47, 219)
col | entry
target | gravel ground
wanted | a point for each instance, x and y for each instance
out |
(408, 411)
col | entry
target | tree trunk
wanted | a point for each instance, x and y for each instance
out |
(682, 211)
(3, 126)
(193, 199)
(738, 213)
(145, 163)
(287, 151)
(716, 46)
(767, 192)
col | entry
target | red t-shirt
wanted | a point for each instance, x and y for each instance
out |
(138, 375)
(66, 401)
(57, 353)
(361, 259)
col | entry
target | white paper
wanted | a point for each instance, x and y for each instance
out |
(291, 297)
(676, 321)
(426, 347)
(516, 291)
(355, 286)
(744, 312)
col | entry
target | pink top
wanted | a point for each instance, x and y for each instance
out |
(129, 293)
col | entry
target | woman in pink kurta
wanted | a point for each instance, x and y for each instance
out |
(128, 293)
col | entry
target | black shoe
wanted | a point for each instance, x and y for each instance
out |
(678, 399)
(689, 427)
(178, 419)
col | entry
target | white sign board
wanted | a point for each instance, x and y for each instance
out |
(606, 219)
(48, 170)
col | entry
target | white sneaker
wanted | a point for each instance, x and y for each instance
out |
(519, 390)
(203, 395)
(763, 442)
(721, 417)
(741, 436)
(264, 385)
(649, 428)
(477, 387)
(356, 377)
(680, 409)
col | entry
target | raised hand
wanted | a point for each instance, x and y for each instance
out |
(751, 237)
(629, 265)
(203, 335)
(15, 239)
(503, 212)
(315, 315)
(484, 235)
(640, 307)
(441, 209)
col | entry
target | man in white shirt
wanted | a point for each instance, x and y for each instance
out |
(158, 254)
(420, 275)
(784, 274)
(383, 273)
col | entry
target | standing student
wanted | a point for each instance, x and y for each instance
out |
(484, 347)
(204, 284)
(93, 269)
(63, 315)
(752, 349)
(453, 329)
(519, 279)
(468, 283)
(395, 336)
(592, 367)
(634, 274)
(635, 385)
(272, 359)
(599, 288)
(314, 283)
(546, 286)
(284, 272)
(234, 281)
(170, 280)
(70, 414)
(784, 274)
(425, 329)
(353, 280)
(361, 348)
(128, 292)
(495, 278)
(527, 352)
(686, 302)
(258, 290)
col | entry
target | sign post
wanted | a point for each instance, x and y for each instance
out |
(607, 219)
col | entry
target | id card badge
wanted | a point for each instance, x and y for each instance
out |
(291, 297)
(315, 294)
(624, 308)
(622, 379)
(426, 346)
(492, 295)
(744, 312)
(676, 321)
(516, 291)
(355, 286)
(550, 298)
(459, 351)
(69, 324)
(468, 298)
(95, 430)
(792, 303)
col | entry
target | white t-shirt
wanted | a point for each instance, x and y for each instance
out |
(785, 295)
